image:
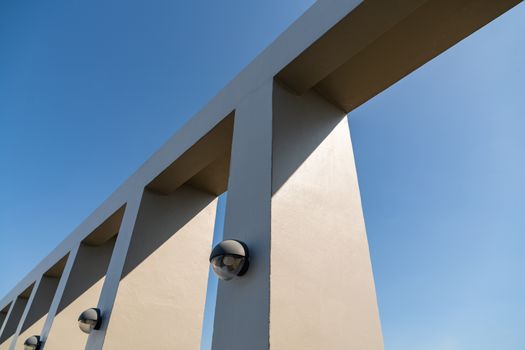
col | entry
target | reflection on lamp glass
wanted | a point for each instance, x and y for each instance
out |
(230, 259)
(32, 343)
(89, 320)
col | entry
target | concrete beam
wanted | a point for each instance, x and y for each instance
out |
(345, 51)
(380, 42)
(205, 165)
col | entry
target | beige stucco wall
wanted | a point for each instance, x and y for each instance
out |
(322, 289)
(160, 301)
(82, 292)
(65, 334)
(5, 345)
(34, 329)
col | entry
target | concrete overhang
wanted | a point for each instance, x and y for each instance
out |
(380, 42)
(346, 50)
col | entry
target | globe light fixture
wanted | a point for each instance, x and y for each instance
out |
(230, 259)
(89, 320)
(32, 343)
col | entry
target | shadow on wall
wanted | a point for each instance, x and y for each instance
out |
(13, 317)
(37, 313)
(297, 132)
(165, 273)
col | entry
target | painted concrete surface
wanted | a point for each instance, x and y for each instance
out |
(291, 175)
(160, 301)
(5, 345)
(241, 314)
(114, 269)
(11, 324)
(37, 314)
(304, 293)
(81, 292)
(3, 316)
(65, 334)
(35, 329)
(322, 287)
(63, 276)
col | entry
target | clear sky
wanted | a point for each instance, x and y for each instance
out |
(88, 90)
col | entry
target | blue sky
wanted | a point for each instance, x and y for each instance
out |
(88, 90)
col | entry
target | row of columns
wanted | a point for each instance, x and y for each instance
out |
(293, 198)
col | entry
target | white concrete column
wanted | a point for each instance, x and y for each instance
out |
(161, 296)
(241, 316)
(293, 198)
(24, 314)
(12, 321)
(109, 290)
(3, 316)
(58, 295)
(36, 317)
(6, 320)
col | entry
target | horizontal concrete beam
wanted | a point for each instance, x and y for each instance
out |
(312, 25)
(346, 50)
(380, 42)
(204, 165)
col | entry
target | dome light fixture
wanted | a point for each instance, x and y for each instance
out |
(230, 259)
(32, 343)
(89, 320)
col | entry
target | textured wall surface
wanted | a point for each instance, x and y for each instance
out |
(37, 314)
(65, 334)
(82, 292)
(12, 323)
(160, 301)
(322, 288)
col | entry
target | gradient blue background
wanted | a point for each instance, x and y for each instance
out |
(88, 90)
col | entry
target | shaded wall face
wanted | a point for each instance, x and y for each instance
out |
(65, 333)
(160, 300)
(322, 288)
(3, 316)
(34, 329)
(82, 292)
(37, 314)
(12, 322)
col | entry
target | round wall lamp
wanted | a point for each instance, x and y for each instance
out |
(32, 343)
(89, 320)
(229, 259)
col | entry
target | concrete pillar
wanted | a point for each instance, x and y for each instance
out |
(53, 309)
(23, 318)
(3, 316)
(161, 297)
(6, 312)
(15, 317)
(81, 292)
(34, 321)
(241, 314)
(293, 197)
(114, 271)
